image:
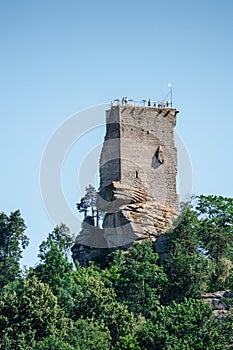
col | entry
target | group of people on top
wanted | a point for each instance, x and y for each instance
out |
(160, 104)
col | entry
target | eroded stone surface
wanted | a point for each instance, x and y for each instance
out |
(220, 302)
(138, 168)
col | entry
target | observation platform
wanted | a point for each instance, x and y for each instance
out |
(141, 103)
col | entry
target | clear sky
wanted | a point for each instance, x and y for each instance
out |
(61, 57)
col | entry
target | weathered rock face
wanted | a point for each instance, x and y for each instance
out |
(139, 152)
(138, 168)
(93, 244)
(220, 302)
(136, 216)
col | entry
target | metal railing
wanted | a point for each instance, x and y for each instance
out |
(141, 103)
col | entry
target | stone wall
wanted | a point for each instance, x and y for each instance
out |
(139, 151)
(148, 152)
(138, 168)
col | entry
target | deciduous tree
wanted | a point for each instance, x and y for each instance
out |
(12, 242)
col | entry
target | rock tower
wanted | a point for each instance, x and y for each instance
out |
(138, 168)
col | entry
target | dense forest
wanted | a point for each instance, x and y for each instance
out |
(138, 300)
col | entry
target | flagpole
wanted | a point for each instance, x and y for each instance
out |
(170, 86)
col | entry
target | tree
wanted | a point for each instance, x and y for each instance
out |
(187, 276)
(215, 214)
(93, 300)
(88, 203)
(81, 335)
(184, 326)
(54, 263)
(184, 238)
(54, 342)
(61, 238)
(201, 247)
(54, 267)
(12, 242)
(187, 269)
(137, 278)
(28, 312)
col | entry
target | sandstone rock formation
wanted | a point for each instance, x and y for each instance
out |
(220, 302)
(138, 168)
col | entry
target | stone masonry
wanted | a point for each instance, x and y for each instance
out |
(138, 168)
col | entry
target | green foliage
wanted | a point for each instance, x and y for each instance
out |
(81, 335)
(203, 243)
(54, 267)
(53, 343)
(102, 304)
(28, 312)
(87, 334)
(215, 214)
(12, 242)
(63, 239)
(87, 205)
(129, 342)
(60, 239)
(137, 278)
(136, 302)
(230, 280)
(184, 238)
(187, 325)
(188, 275)
(88, 202)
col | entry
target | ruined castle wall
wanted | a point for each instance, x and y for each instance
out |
(144, 131)
(110, 155)
(138, 167)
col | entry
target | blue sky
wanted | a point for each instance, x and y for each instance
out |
(61, 57)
